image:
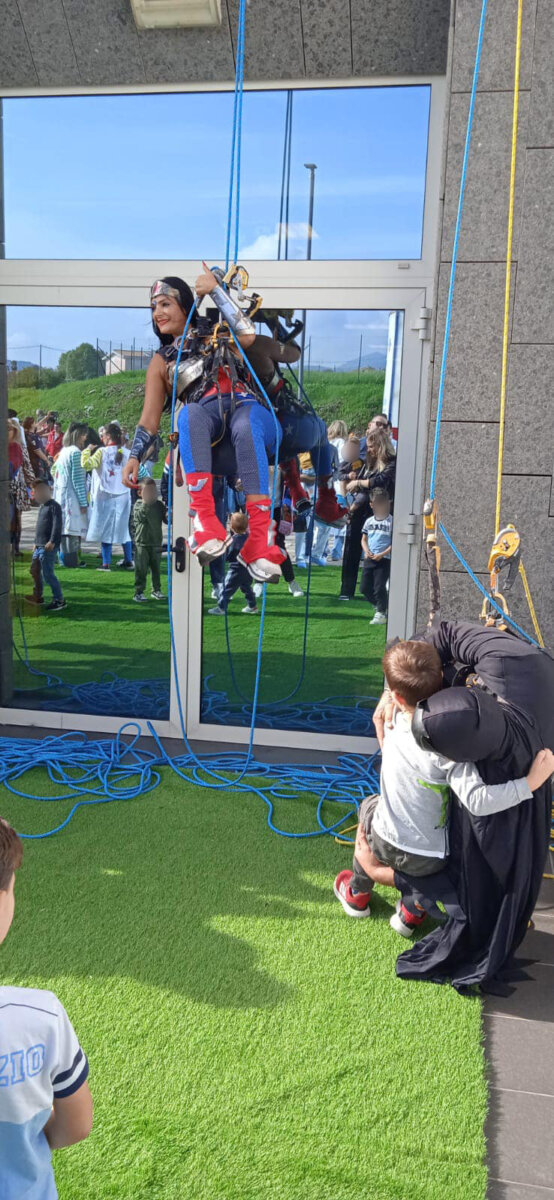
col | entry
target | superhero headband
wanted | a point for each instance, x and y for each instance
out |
(160, 288)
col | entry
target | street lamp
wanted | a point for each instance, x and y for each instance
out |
(312, 168)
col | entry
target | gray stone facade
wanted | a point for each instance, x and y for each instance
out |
(466, 482)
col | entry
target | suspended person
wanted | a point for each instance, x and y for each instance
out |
(303, 430)
(378, 471)
(70, 492)
(110, 499)
(220, 405)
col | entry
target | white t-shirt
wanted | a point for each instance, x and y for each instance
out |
(40, 1059)
(415, 788)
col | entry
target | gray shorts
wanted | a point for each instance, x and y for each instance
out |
(392, 856)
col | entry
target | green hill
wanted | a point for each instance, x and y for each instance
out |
(333, 394)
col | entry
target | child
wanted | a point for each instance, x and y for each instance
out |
(376, 546)
(404, 828)
(48, 536)
(237, 575)
(146, 521)
(45, 1101)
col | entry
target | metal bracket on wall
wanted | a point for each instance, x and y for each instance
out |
(423, 324)
(410, 531)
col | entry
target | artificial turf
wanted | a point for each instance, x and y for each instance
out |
(103, 630)
(246, 1040)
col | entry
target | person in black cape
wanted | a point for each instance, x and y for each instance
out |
(491, 881)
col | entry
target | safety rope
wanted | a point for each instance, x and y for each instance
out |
(449, 302)
(508, 280)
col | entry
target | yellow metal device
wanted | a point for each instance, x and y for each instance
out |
(433, 556)
(504, 561)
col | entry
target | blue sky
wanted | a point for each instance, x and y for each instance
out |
(147, 177)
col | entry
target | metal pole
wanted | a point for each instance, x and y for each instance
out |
(39, 365)
(97, 360)
(312, 168)
(360, 355)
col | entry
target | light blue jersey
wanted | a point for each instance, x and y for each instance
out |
(40, 1060)
(378, 533)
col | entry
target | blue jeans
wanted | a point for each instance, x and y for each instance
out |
(127, 548)
(47, 560)
(307, 432)
(250, 429)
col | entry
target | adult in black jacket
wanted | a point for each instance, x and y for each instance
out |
(491, 881)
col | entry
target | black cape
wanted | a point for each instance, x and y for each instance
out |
(491, 881)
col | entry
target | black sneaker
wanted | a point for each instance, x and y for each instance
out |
(104, 567)
(56, 605)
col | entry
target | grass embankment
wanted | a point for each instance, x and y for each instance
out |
(334, 395)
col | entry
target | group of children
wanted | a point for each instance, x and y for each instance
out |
(405, 827)
(148, 516)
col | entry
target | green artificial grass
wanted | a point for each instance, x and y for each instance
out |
(103, 630)
(343, 650)
(246, 1040)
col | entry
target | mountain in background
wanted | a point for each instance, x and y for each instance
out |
(20, 363)
(376, 361)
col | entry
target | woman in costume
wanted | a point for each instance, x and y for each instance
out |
(220, 401)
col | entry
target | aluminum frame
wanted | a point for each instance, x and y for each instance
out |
(323, 284)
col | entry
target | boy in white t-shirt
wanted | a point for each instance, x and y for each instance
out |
(45, 1101)
(405, 827)
(376, 548)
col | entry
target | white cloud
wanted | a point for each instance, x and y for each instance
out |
(381, 326)
(20, 341)
(266, 244)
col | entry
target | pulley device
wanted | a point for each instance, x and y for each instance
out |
(504, 560)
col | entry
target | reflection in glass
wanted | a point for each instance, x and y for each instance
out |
(326, 621)
(99, 652)
(99, 160)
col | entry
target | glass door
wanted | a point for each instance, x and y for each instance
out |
(327, 622)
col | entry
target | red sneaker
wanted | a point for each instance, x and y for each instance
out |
(209, 539)
(291, 480)
(261, 557)
(405, 923)
(354, 904)
(327, 507)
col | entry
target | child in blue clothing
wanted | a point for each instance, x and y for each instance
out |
(237, 575)
(376, 547)
(45, 1101)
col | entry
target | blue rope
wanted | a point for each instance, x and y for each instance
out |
(448, 320)
(106, 771)
(482, 589)
(236, 137)
(114, 770)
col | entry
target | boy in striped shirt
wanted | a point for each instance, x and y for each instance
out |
(45, 1101)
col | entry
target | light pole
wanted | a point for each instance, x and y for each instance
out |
(312, 168)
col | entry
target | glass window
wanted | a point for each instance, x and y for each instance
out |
(326, 620)
(100, 653)
(146, 176)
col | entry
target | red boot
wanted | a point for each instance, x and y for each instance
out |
(327, 507)
(209, 539)
(261, 557)
(291, 480)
